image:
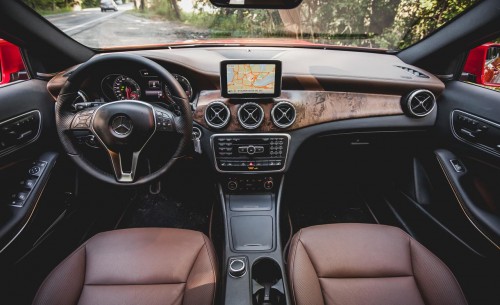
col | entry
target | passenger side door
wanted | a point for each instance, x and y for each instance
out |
(454, 202)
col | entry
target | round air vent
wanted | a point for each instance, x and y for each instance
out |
(283, 114)
(419, 103)
(217, 114)
(250, 115)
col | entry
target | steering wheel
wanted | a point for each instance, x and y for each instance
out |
(124, 127)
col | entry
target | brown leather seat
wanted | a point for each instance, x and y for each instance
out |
(135, 266)
(366, 264)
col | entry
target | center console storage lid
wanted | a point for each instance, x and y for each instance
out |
(250, 202)
(252, 233)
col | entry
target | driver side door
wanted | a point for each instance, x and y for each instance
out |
(32, 192)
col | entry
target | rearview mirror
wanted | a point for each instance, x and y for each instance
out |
(483, 65)
(263, 4)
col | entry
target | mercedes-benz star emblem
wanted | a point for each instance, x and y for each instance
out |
(122, 125)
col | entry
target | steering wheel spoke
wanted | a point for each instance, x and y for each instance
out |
(124, 165)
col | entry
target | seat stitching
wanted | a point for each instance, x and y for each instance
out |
(141, 284)
(57, 268)
(442, 264)
(191, 269)
(364, 277)
(292, 266)
(413, 271)
(84, 272)
(213, 268)
(314, 267)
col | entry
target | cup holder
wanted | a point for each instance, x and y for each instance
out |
(267, 283)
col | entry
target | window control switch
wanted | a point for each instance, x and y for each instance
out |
(457, 166)
(29, 183)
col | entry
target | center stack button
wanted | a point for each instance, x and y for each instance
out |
(251, 150)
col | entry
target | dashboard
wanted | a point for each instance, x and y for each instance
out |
(302, 93)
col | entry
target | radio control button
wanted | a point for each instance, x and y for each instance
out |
(251, 150)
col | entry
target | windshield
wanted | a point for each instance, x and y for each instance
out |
(382, 24)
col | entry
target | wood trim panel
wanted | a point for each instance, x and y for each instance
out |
(313, 107)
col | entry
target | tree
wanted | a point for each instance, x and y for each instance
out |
(175, 7)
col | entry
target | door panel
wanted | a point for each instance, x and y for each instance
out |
(469, 122)
(27, 155)
(463, 165)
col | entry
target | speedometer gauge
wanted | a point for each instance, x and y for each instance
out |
(184, 84)
(126, 88)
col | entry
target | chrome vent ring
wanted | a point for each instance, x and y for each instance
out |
(217, 114)
(250, 115)
(283, 114)
(419, 103)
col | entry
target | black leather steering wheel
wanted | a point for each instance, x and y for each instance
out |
(123, 127)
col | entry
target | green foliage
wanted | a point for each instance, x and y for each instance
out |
(47, 5)
(91, 3)
(418, 19)
(388, 24)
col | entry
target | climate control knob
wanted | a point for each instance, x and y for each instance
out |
(232, 185)
(268, 184)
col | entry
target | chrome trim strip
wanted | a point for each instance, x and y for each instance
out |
(476, 145)
(460, 203)
(250, 135)
(14, 148)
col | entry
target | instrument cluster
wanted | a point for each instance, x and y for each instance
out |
(140, 85)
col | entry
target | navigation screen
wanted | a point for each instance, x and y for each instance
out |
(251, 78)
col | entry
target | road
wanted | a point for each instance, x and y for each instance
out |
(95, 29)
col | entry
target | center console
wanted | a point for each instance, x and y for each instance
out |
(250, 168)
(253, 269)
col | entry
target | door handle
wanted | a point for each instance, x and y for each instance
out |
(487, 223)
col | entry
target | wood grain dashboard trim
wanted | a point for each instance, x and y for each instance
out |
(312, 107)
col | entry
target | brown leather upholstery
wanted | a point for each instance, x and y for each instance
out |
(365, 264)
(135, 266)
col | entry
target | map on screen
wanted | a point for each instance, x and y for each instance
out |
(251, 78)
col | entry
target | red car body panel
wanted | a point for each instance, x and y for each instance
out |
(11, 61)
(476, 65)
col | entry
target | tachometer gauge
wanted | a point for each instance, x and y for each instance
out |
(126, 88)
(184, 84)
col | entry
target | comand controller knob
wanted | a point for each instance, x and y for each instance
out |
(237, 267)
